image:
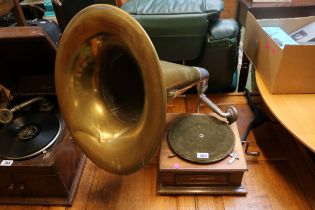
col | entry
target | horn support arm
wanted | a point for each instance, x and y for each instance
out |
(179, 78)
(230, 113)
(177, 83)
(6, 115)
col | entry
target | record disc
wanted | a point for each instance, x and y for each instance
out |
(201, 138)
(28, 135)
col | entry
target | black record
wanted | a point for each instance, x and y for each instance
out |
(201, 138)
(28, 135)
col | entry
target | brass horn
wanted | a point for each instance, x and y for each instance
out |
(112, 89)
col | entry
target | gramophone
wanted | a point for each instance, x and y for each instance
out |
(40, 164)
(112, 92)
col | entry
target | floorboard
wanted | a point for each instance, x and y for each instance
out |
(280, 178)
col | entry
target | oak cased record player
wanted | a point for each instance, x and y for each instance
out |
(200, 159)
(40, 163)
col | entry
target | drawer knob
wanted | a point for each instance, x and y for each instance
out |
(11, 187)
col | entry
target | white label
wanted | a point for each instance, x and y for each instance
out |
(6, 163)
(202, 155)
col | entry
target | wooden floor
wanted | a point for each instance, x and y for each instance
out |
(278, 179)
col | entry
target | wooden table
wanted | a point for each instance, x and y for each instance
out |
(296, 112)
(295, 8)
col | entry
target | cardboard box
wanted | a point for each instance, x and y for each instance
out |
(287, 69)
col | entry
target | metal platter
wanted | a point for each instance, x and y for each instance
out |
(201, 138)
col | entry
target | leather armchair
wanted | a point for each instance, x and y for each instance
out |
(190, 31)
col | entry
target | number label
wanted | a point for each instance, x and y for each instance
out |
(202, 155)
(6, 163)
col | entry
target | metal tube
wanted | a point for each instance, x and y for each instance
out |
(214, 107)
(27, 103)
(6, 115)
(230, 114)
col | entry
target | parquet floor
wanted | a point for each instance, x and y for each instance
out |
(279, 178)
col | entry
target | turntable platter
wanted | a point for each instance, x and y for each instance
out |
(28, 135)
(201, 138)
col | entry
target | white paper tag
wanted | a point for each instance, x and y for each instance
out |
(6, 163)
(202, 155)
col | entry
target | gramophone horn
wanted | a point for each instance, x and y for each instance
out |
(112, 89)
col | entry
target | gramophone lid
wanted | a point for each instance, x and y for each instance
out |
(27, 55)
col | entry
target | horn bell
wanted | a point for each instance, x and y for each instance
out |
(111, 89)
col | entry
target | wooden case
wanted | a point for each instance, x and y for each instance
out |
(27, 57)
(50, 178)
(178, 176)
